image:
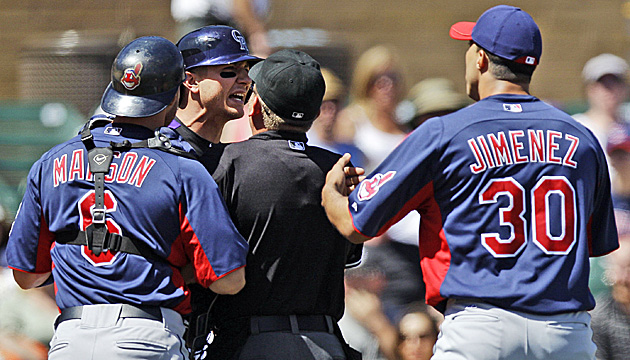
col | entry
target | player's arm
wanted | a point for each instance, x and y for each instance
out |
(30, 280)
(229, 284)
(340, 181)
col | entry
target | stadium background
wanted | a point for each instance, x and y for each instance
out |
(61, 50)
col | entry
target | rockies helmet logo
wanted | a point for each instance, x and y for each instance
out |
(240, 39)
(131, 77)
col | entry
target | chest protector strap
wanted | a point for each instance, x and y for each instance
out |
(96, 236)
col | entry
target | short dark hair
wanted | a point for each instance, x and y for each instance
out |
(508, 70)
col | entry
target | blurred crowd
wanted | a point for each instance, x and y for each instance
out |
(386, 316)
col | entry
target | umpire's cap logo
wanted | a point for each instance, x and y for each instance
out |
(131, 77)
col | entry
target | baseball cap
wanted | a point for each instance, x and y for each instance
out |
(505, 31)
(291, 84)
(604, 64)
(618, 138)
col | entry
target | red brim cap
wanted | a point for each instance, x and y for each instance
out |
(462, 30)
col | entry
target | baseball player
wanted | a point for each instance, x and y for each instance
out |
(216, 60)
(215, 90)
(115, 214)
(514, 196)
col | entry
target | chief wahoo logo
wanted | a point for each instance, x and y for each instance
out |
(370, 187)
(131, 77)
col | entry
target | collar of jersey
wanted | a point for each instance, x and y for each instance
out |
(511, 98)
(130, 131)
(281, 135)
(199, 144)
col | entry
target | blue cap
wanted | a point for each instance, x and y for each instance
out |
(505, 31)
(214, 45)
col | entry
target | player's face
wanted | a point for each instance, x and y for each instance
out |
(222, 90)
(472, 72)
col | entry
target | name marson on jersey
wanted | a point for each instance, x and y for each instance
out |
(130, 170)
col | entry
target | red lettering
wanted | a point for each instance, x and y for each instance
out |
(500, 149)
(141, 172)
(59, 170)
(480, 164)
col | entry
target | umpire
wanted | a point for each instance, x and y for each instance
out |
(294, 293)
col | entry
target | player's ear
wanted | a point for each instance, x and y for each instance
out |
(482, 60)
(192, 82)
(254, 106)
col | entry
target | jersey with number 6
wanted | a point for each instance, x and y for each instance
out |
(514, 196)
(168, 202)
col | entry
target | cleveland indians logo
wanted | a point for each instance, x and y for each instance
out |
(240, 39)
(131, 77)
(370, 187)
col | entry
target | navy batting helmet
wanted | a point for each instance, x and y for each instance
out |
(214, 45)
(146, 75)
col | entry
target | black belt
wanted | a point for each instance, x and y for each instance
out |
(127, 311)
(292, 323)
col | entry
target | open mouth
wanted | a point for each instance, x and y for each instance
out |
(238, 96)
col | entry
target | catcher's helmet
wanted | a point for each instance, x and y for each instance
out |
(214, 45)
(146, 75)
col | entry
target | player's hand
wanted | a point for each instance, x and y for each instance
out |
(341, 179)
(354, 175)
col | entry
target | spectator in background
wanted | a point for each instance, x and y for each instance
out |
(618, 152)
(611, 317)
(605, 78)
(364, 325)
(417, 334)
(606, 85)
(370, 119)
(434, 97)
(249, 16)
(322, 132)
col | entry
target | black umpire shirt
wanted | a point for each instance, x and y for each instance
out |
(272, 187)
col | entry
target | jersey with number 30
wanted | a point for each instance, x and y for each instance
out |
(168, 202)
(514, 197)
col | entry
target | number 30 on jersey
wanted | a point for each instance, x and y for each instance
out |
(513, 216)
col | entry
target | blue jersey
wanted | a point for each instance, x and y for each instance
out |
(168, 202)
(514, 197)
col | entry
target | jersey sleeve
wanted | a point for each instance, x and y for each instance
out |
(30, 241)
(212, 241)
(400, 184)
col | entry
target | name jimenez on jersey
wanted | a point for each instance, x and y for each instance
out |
(130, 171)
(494, 150)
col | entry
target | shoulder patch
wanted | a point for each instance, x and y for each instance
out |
(370, 187)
